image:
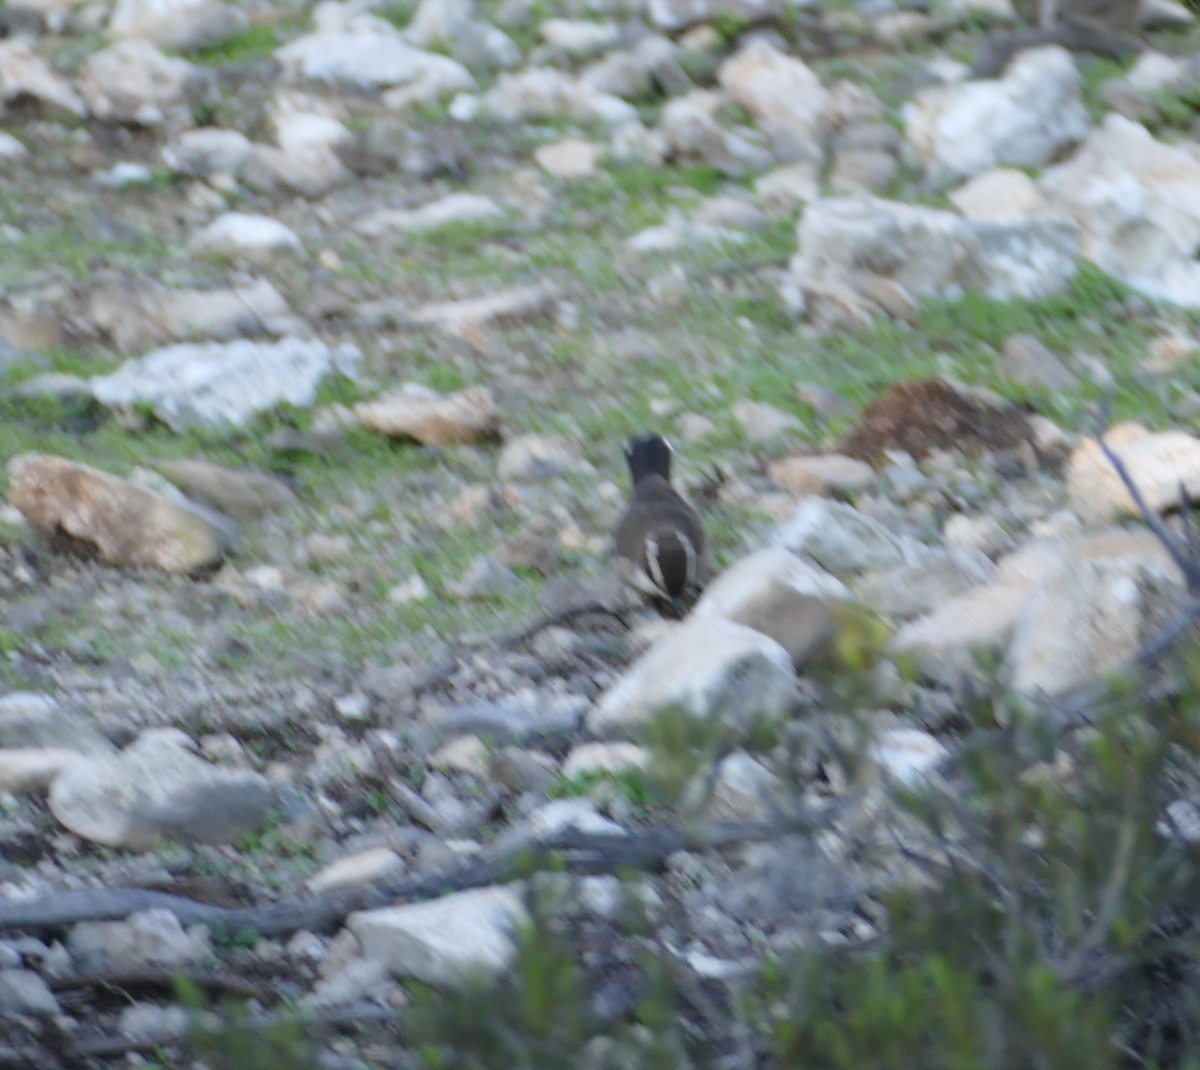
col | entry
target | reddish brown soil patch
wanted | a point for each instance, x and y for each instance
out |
(923, 415)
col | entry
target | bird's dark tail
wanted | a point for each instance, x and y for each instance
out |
(648, 455)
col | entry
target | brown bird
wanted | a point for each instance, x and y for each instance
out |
(659, 540)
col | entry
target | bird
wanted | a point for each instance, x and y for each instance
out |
(659, 540)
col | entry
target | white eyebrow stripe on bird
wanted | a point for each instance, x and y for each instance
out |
(653, 566)
(690, 552)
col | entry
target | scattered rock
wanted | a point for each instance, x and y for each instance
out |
(570, 158)
(1026, 118)
(920, 416)
(781, 596)
(11, 150)
(433, 419)
(224, 383)
(506, 308)
(1080, 622)
(447, 941)
(761, 422)
(24, 74)
(674, 15)
(998, 193)
(239, 234)
(241, 493)
(928, 251)
(907, 755)
(1159, 463)
(178, 25)
(33, 769)
(782, 93)
(1026, 361)
(23, 992)
(486, 578)
(472, 41)
(451, 209)
(744, 790)
(530, 458)
(1132, 198)
(357, 870)
(158, 789)
(32, 720)
(935, 578)
(690, 130)
(139, 313)
(546, 93)
(150, 938)
(830, 474)
(152, 1022)
(588, 759)
(706, 668)
(133, 82)
(112, 518)
(839, 538)
(946, 641)
(359, 49)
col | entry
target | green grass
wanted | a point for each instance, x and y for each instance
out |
(253, 43)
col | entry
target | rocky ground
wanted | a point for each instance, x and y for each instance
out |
(321, 331)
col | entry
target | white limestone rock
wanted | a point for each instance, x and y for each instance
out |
(1023, 119)
(157, 788)
(781, 596)
(224, 383)
(448, 941)
(707, 668)
(133, 82)
(929, 251)
(246, 235)
(1137, 202)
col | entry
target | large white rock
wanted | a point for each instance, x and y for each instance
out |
(116, 519)
(690, 130)
(139, 313)
(1083, 621)
(447, 941)
(937, 575)
(929, 251)
(23, 73)
(545, 93)
(1137, 201)
(158, 789)
(780, 595)
(1054, 592)
(1022, 119)
(1003, 191)
(242, 234)
(223, 383)
(840, 538)
(1161, 464)
(705, 668)
(782, 93)
(471, 40)
(359, 49)
(180, 25)
(207, 152)
(148, 938)
(133, 82)
(432, 419)
(946, 641)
